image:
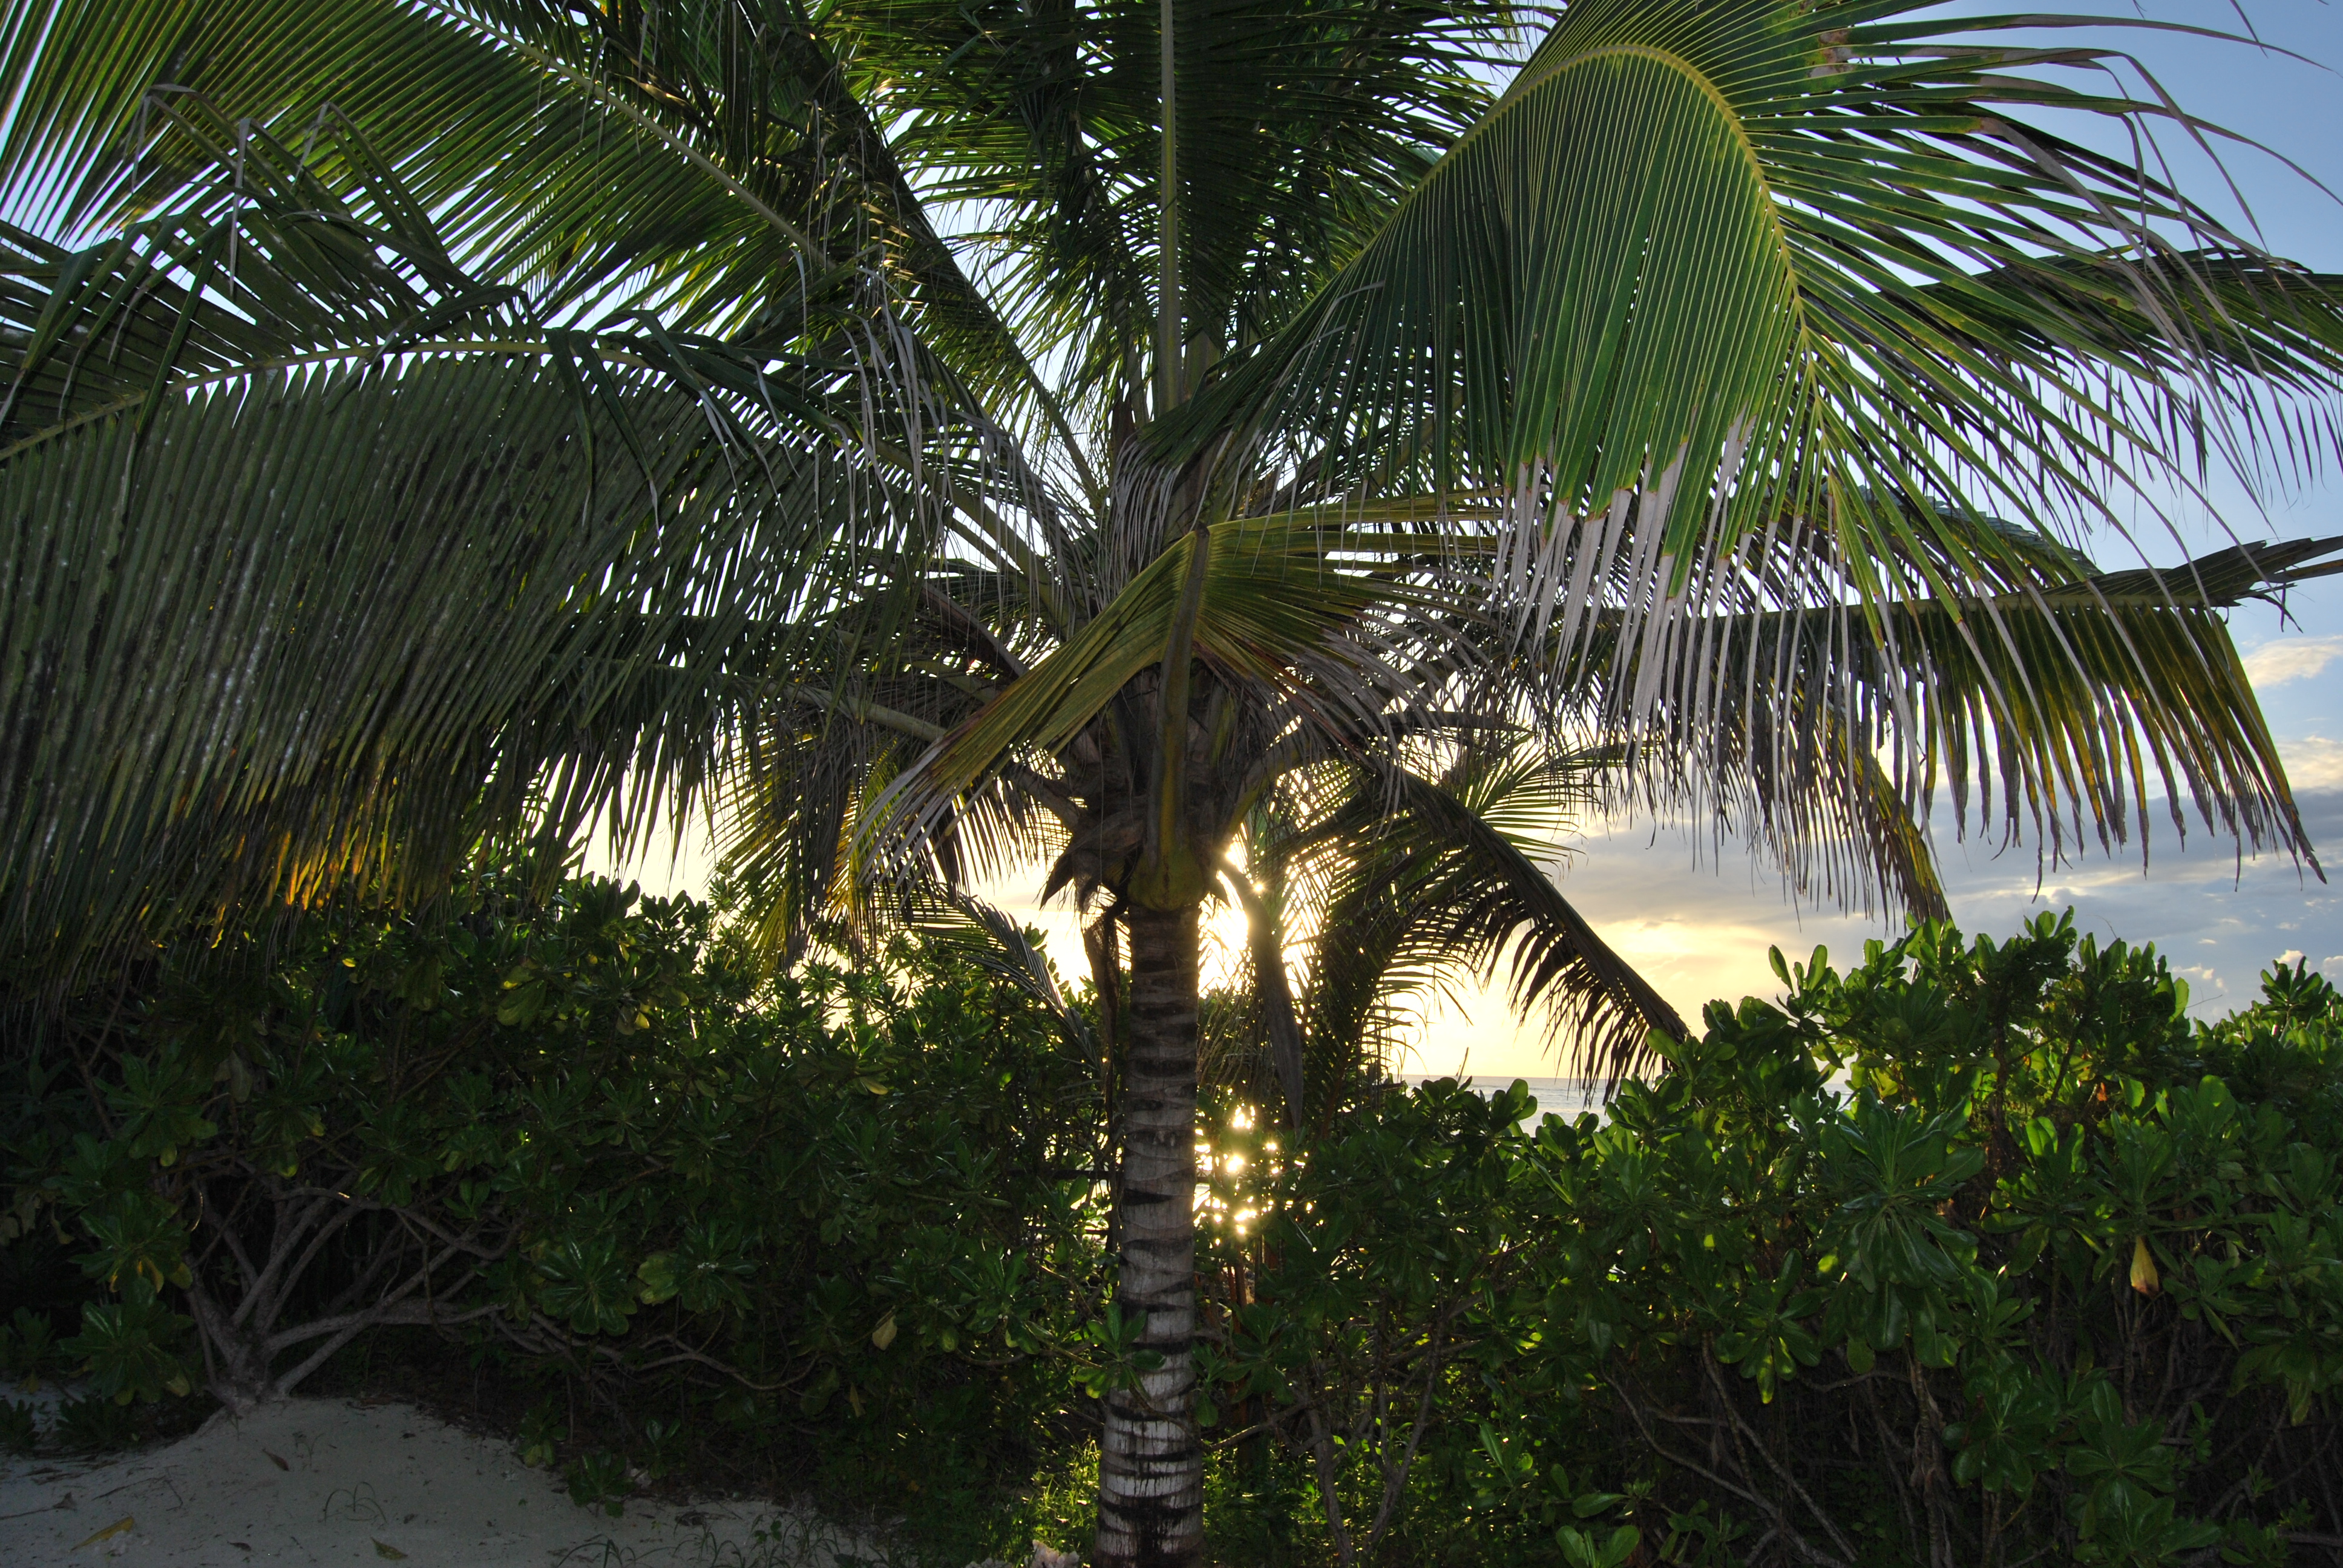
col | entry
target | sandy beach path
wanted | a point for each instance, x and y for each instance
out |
(338, 1482)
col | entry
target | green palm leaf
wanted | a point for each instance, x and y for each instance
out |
(1447, 887)
(986, 936)
(1744, 309)
(325, 558)
(1301, 127)
(2057, 712)
(712, 172)
(1276, 600)
(1696, 237)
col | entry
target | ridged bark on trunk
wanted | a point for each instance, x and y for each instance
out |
(1151, 1461)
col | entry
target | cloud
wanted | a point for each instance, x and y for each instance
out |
(2292, 659)
(2313, 762)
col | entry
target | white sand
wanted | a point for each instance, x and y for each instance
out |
(370, 1483)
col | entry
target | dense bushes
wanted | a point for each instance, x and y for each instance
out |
(1975, 1253)
(571, 1135)
(1970, 1255)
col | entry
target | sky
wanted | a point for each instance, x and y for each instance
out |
(1697, 923)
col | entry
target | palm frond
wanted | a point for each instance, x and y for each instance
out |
(324, 558)
(1270, 990)
(1301, 128)
(988, 937)
(704, 165)
(1433, 881)
(1744, 308)
(2055, 713)
(1276, 603)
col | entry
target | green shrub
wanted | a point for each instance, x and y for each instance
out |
(1971, 1254)
(28, 1348)
(95, 1424)
(568, 1134)
(600, 1479)
(542, 1433)
(18, 1432)
(1975, 1252)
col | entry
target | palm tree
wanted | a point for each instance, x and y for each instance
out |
(439, 417)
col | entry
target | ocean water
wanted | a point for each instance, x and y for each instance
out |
(1565, 1097)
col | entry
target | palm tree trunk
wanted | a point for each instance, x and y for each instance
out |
(1150, 1461)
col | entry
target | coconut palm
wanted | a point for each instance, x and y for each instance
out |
(1097, 435)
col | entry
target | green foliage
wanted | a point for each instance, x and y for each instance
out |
(571, 1131)
(130, 1349)
(664, 1440)
(1975, 1243)
(18, 1432)
(599, 1480)
(1581, 1550)
(542, 1433)
(28, 1348)
(95, 1424)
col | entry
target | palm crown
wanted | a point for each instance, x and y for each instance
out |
(1133, 435)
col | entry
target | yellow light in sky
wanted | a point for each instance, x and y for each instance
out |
(1680, 926)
